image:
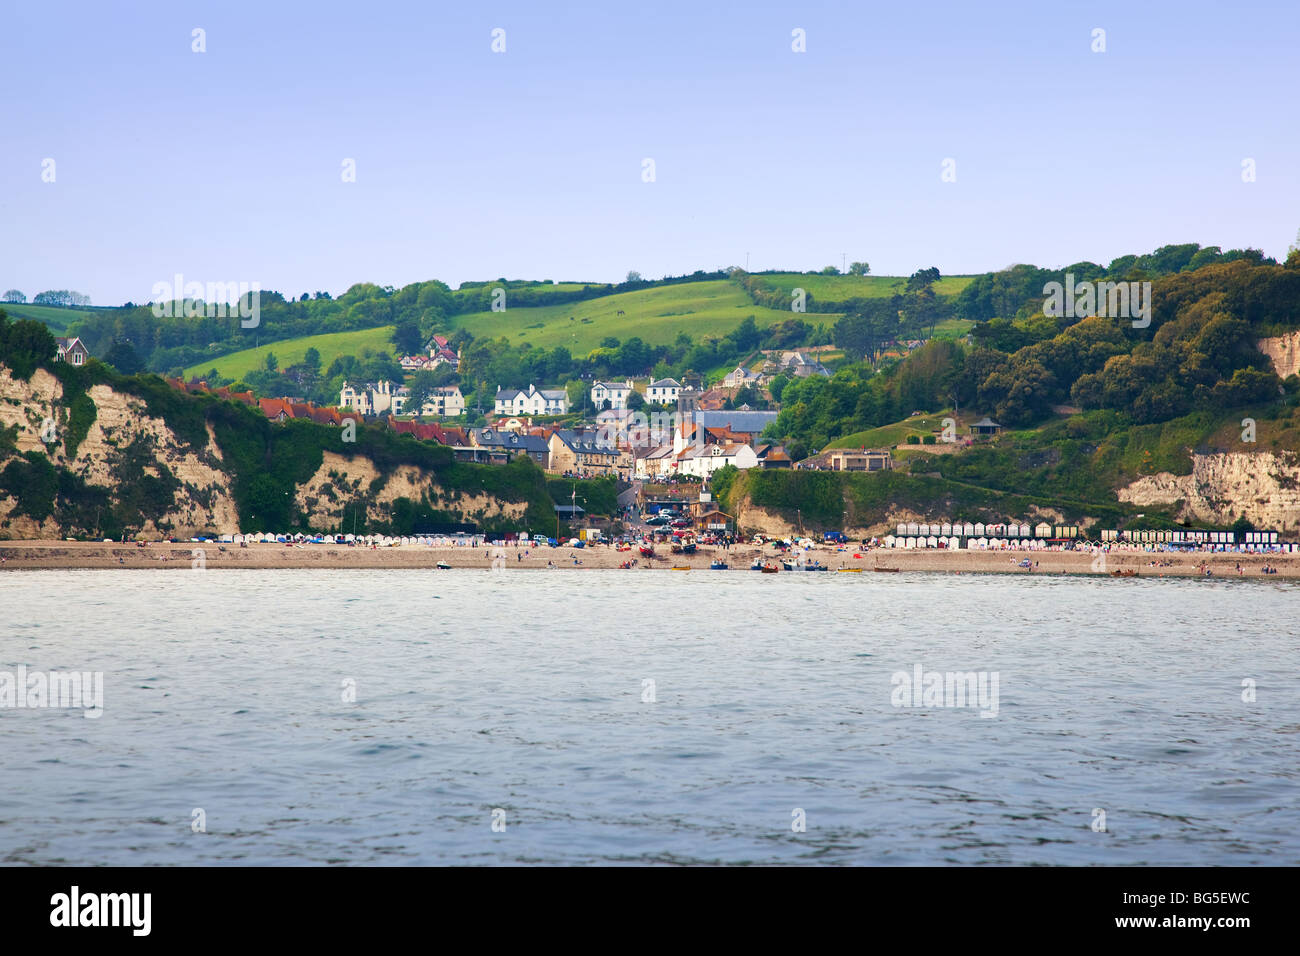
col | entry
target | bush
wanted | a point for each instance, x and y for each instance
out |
(914, 439)
(927, 440)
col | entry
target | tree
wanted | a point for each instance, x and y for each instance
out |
(635, 401)
(407, 337)
(123, 357)
(422, 387)
(830, 271)
(14, 296)
(312, 359)
(634, 276)
(24, 345)
(272, 363)
(859, 269)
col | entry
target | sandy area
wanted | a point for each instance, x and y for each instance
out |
(16, 555)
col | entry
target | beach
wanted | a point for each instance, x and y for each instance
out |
(23, 555)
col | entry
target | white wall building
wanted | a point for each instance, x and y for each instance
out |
(613, 392)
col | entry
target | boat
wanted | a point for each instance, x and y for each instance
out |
(885, 569)
(717, 565)
(769, 569)
(679, 568)
(444, 566)
(849, 570)
(688, 548)
(647, 551)
(757, 565)
(1125, 573)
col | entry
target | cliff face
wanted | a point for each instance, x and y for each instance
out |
(1284, 352)
(132, 463)
(1260, 486)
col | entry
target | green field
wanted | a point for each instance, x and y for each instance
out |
(292, 351)
(656, 316)
(840, 288)
(58, 319)
(886, 436)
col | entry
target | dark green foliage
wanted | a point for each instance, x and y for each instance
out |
(31, 480)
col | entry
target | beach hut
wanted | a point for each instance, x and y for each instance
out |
(967, 530)
(923, 530)
(1043, 530)
(1025, 531)
(931, 542)
(978, 531)
(945, 529)
(901, 529)
(913, 529)
(889, 540)
(909, 542)
(982, 543)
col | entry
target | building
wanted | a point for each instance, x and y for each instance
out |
(801, 365)
(590, 453)
(739, 377)
(72, 351)
(535, 401)
(373, 398)
(615, 393)
(512, 444)
(663, 392)
(445, 401)
(985, 426)
(703, 461)
(870, 459)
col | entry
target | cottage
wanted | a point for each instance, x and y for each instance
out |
(613, 392)
(72, 351)
(512, 444)
(663, 392)
(534, 401)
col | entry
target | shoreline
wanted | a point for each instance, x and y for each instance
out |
(91, 555)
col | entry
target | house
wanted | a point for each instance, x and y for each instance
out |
(714, 520)
(704, 460)
(373, 398)
(801, 365)
(613, 392)
(745, 425)
(535, 401)
(985, 426)
(445, 401)
(739, 377)
(276, 409)
(511, 444)
(868, 459)
(590, 453)
(72, 351)
(772, 456)
(663, 392)
(441, 353)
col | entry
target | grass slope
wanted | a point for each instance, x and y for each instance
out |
(840, 288)
(656, 316)
(291, 351)
(58, 319)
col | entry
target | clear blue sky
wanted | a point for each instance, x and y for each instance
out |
(225, 166)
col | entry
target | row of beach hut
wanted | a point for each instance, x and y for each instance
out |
(958, 529)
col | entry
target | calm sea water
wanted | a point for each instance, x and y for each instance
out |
(527, 692)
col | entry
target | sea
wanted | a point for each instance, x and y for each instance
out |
(399, 717)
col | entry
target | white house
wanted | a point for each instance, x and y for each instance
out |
(613, 392)
(535, 401)
(446, 402)
(663, 392)
(373, 398)
(704, 461)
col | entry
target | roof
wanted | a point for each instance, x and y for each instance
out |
(586, 443)
(622, 386)
(511, 441)
(569, 509)
(748, 422)
(666, 383)
(986, 422)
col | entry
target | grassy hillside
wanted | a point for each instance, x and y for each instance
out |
(840, 288)
(291, 351)
(58, 319)
(656, 316)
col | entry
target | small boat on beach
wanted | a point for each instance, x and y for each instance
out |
(647, 550)
(717, 565)
(849, 570)
(891, 570)
(769, 569)
(757, 565)
(1124, 573)
(678, 568)
(443, 566)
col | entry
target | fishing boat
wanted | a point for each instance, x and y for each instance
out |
(444, 566)
(717, 565)
(757, 565)
(769, 569)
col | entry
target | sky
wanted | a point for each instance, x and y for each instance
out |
(228, 165)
